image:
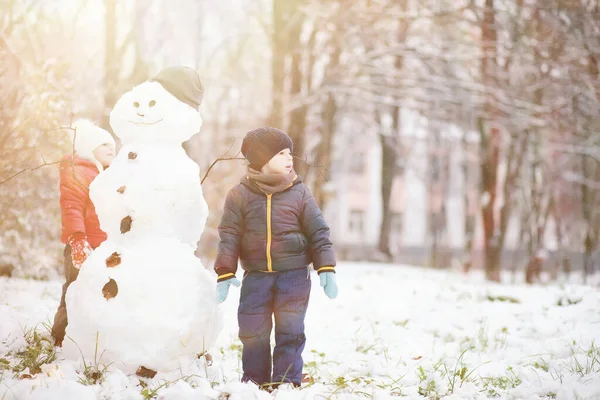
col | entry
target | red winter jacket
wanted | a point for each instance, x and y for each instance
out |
(78, 212)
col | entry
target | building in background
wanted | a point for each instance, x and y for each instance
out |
(432, 196)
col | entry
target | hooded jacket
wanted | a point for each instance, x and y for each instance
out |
(78, 212)
(271, 233)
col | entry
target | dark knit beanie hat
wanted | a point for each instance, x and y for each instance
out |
(183, 83)
(260, 145)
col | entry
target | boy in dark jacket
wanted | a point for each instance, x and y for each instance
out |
(272, 223)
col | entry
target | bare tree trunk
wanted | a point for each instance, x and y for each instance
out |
(563, 257)
(297, 126)
(433, 181)
(278, 64)
(437, 179)
(328, 116)
(469, 241)
(589, 196)
(432, 216)
(140, 71)
(287, 28)
(11, 96)
(281, 49)
(389, 158)
(490, 148)
(324, 150)
(489, 181)
(470, 218)
(388, 168)
(111, 70)
(586, 214)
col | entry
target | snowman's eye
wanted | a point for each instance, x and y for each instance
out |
(136, 104)
(152, 103)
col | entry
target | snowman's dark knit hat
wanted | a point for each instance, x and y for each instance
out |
(260, 145)
(183, 83)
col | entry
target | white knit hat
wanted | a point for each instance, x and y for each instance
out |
(87, 137)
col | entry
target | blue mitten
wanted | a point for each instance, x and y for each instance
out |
(223, 288)
(329, 285)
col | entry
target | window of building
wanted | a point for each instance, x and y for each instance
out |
(356, 221)
(357, 163)
(397, 221)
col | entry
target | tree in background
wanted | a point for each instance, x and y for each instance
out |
(34, 101)
(117, 78)
(518, 80)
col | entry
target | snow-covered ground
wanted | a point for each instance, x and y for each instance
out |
(394, 331)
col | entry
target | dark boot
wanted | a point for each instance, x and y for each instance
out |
(60, 319)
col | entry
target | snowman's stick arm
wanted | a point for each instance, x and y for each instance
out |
(215, 162)
(319, 168)
(222, 158)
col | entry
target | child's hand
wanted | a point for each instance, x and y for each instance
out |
(80, 250)
(329, 284)
(223, 288)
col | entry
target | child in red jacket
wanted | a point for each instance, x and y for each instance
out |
(94, 151)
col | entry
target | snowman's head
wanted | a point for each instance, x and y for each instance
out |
(162, 110)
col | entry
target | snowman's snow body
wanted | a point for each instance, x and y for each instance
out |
(142, 298)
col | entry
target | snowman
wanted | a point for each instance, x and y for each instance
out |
(143, 301)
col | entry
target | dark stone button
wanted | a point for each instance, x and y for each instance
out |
(113, 260)
(110, 290)
(126, 224)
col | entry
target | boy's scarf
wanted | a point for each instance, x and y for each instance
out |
(271, 183)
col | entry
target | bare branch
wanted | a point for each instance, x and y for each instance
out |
(222, 158)
(319, 168)
(29, 169)
(592, 151)
(216, 161)
(44, 163)
(572, 177)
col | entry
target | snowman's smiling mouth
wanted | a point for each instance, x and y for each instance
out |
(146, 123)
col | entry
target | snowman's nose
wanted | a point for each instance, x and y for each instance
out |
(140, 114)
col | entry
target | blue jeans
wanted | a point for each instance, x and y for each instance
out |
(264, 295)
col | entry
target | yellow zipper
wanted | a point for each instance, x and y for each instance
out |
(269, 261)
